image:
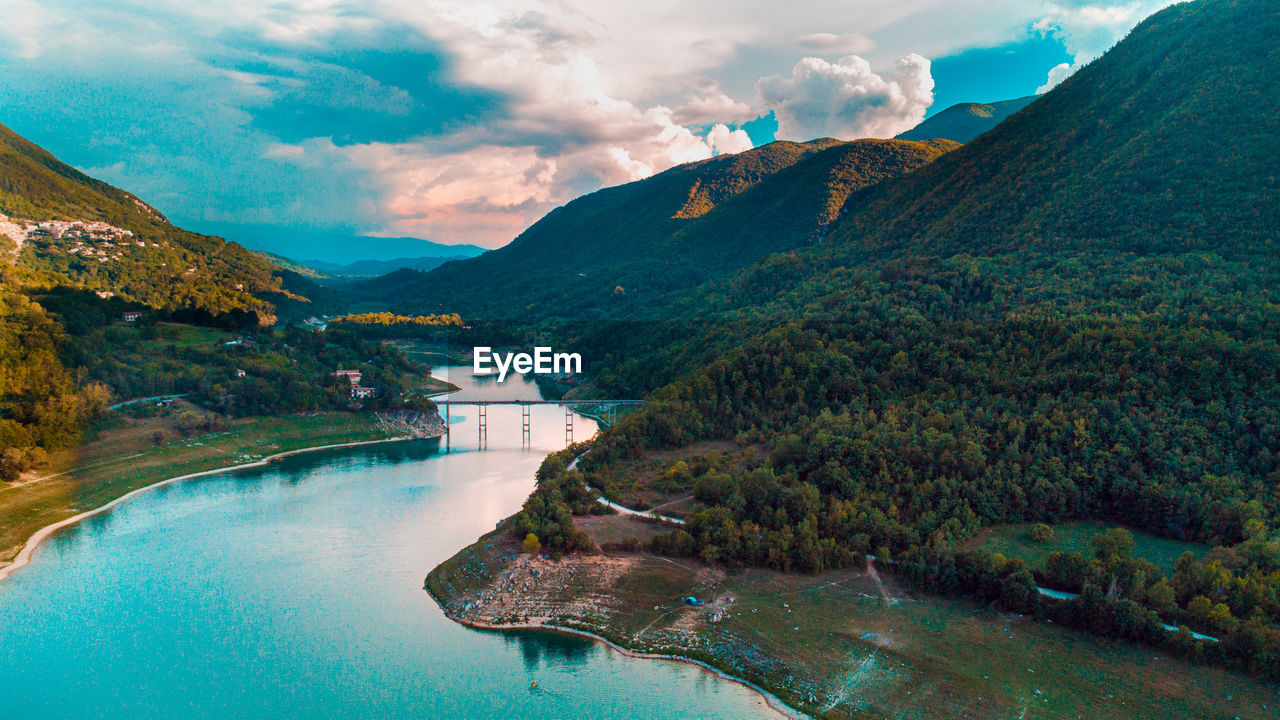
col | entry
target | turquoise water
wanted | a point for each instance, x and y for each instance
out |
(296, 591)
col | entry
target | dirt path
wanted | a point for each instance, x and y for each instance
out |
(875, 575)
(682, 498)
(637, 513)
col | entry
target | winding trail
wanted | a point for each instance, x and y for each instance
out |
(622, 508)
(636, 513)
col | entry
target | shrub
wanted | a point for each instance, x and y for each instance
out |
(1041, 533)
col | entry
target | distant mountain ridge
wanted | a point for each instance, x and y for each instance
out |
(374, 268)
(335, 247)
(966, 121)
(671, 231)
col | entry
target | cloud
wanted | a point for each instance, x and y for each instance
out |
(1057, 74)
(1087, 30)
(724, 141)
(711, 107)
(846, 99)
(467, 119)
(832, 44)
(562, 133)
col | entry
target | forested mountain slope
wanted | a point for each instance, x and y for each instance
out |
(74, 253)
(1075, 316)
(966, 121)
(1167, 142)
(75, 229)
(669, 232)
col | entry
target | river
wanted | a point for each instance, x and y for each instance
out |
(295, 591)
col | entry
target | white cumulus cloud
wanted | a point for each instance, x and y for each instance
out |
(724, 141)
(1089, 29)
(846, 99)
(308, 112)
(1057, 74)
(712, 107)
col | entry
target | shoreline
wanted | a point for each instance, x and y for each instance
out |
(23, 558)
(27, 553)
(771, 700)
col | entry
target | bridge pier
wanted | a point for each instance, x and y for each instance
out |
(526, 435)
(606, 408)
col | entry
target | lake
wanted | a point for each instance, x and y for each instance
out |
(295, 590)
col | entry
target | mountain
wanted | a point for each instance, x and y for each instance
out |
(966, 121)
(668, 232)
(1073, 317)
(1167, 142)
(301, 268)
(335, 247)
(374, 268)
(68, 228)
(76, 253)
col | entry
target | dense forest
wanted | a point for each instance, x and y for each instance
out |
(41, 405)
(1072, 317)
(932, 398)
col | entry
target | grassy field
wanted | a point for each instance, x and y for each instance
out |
(180, 335)
(122, 455)
(644, 483)
(844, 644)
(1015, 541)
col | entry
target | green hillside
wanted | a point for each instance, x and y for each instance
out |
(1075, 317)
(561, 252)
(138, 255)
(965, 121)
(76, 252)
(1165, 143)
(673, 231)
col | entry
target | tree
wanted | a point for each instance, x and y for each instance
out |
(1160, 597)
(1116, 543)
(95, 398)
(1018, 592)
(1041, 533)
(531, 544)
(12, 463)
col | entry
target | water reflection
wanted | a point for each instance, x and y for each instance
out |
(295, 590)
(539, 647)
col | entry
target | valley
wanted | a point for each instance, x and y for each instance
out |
(982, 421)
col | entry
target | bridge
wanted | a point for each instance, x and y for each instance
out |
(482, 416)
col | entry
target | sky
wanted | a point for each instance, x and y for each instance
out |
(464, 121)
